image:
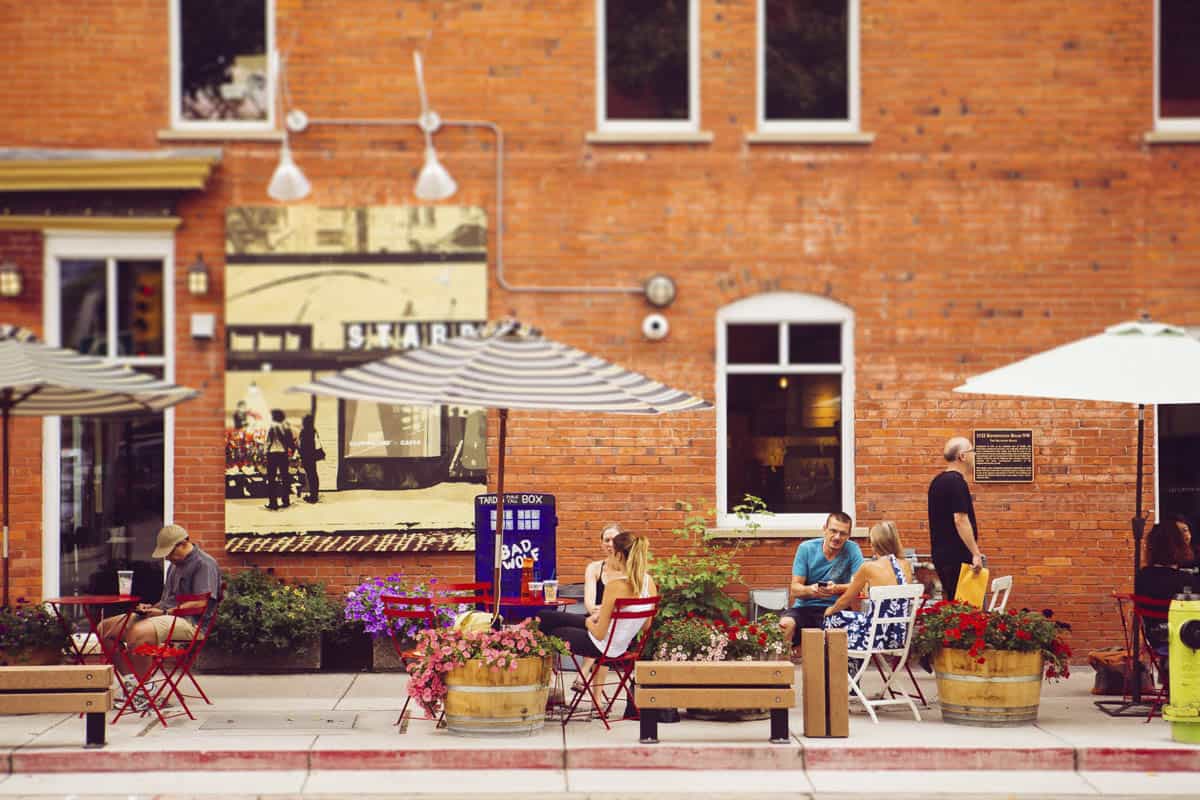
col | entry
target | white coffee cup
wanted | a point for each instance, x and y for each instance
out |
(550, 591)
(125, 581)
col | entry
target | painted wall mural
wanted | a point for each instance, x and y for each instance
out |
(311, 290)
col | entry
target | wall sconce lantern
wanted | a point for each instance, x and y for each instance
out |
(198, 276)
(10, 280)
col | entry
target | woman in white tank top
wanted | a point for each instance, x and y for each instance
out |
(589, 635)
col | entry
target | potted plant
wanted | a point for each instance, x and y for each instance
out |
(267, 625)
(487, 681)
(30, 635)
(364, 605)
(989, 665)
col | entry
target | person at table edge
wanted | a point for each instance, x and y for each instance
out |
(821, 571)
(190, 570)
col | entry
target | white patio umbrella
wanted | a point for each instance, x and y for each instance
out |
(509, 366)
(1143, 363)
(37, 380)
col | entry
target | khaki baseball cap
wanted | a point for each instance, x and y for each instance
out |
(168, 537)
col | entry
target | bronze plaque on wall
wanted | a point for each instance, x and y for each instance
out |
(1004, 456)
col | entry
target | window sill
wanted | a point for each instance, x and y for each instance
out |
(776, 533)
(649, 137)
(1172, 137)
(219, 135)
(810, 138)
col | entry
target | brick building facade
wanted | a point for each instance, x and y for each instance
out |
(1009, 184)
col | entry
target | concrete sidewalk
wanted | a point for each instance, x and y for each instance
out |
(336, 722)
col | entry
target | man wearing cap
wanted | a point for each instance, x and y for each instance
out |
(190, 570)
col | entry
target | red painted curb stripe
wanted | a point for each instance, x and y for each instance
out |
(660, 756)
(940, 758)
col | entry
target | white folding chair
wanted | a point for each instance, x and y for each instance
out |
(769, 599)
(875, 652)
(1000, 590)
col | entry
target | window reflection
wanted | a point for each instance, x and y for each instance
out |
(139, 308)
(785, 441)
(224, 49)
(1179, 58)
(84, 306)
(807, 60)
(646, 59)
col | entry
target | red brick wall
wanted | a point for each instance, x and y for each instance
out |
(24, 248)
(1007, 204)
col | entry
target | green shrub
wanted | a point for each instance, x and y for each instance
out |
(260, 613)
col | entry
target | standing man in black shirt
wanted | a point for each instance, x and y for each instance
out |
(953, 532)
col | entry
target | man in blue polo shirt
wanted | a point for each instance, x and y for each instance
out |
(821, 571)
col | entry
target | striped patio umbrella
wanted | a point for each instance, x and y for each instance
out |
(37, 380)
(508, 366)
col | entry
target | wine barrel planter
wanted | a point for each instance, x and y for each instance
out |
(481, 701)
(1004, 690)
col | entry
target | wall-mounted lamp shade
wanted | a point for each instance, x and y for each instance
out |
(434, 182)
(198, 276)
(288, 183)
(10, 280)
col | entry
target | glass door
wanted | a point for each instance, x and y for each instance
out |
(111, 477)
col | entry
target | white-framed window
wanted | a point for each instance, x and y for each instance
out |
(785, 408)
(808, 68)
(1177, 65)
(220, 51)
(647, 66)
(108, 483)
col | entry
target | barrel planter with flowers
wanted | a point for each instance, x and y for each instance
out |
(990, 665)
(488, 681)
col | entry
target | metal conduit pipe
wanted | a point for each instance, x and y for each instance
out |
(297, 122)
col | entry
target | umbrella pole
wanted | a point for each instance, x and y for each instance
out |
(6, 402)
(498, 540)
(1139, 526)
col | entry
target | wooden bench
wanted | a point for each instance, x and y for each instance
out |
(717, 685)
(48, 690)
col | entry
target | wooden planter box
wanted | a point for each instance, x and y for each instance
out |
(1004, 690)
(305, 657)
(33, 657)
(383, 655)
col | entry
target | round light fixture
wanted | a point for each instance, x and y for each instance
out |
(660, 291)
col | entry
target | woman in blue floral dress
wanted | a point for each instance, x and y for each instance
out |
(889, 567)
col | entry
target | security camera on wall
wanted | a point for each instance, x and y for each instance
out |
(655, 327)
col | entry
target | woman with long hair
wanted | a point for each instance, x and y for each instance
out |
(279, 443)
(589, 634)
(889, 567)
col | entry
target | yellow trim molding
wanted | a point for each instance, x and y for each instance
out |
(26, 222)
(148, 171)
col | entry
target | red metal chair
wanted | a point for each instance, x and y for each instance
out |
(465, 594)
(173, 660)
(1151, 608)
(629, 608)
(396, 607)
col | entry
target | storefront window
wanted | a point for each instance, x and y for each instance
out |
(1178, 467)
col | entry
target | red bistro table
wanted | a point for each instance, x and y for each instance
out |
(93, 606)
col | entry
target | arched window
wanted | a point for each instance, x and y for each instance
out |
(785, 408)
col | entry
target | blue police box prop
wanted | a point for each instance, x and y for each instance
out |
(530, 523)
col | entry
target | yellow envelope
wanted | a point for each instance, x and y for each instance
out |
(972, 585)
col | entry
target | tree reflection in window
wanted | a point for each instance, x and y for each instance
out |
(646, 59)
(223, 47)
(807, 60)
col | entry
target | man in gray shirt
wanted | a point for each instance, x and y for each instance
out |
(190, 571)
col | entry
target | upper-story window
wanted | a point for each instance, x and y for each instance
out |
(785, 408)
(647, 66)
(1177, 66)
(808, 66)
(220, 50)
